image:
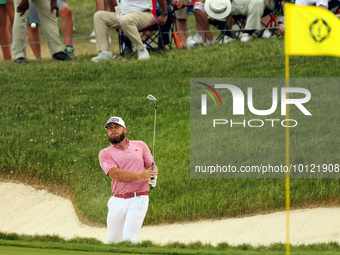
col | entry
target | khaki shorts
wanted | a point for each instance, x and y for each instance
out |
(182, 13)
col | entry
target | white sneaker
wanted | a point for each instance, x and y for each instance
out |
(190, 43)
(93, 34)
(266, 34)
(102, 56)
(143, 54)
(245, 37)
(227, 39)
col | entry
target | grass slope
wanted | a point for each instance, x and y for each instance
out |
(52, 116)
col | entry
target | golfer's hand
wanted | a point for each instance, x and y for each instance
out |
(148, 174)
(23, 7)
(54, 6)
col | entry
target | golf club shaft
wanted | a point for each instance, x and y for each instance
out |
(154, 132)
(153, 146)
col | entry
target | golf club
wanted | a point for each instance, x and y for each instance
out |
(152, 98)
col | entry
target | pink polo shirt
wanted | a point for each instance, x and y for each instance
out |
(134, 157)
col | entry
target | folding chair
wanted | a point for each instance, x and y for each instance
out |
(273, 24)
(334, 6)
(222, 25)
(173, 29)
(151, 37)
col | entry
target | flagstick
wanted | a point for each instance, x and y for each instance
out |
(287, 162)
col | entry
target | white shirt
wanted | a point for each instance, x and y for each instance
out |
(128, 6)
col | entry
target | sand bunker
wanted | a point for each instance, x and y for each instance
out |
(26, 210)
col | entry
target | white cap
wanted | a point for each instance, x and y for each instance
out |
(117, 120)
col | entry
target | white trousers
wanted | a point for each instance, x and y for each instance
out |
(125, 218)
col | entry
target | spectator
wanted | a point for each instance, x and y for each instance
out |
(49, 23)
(134, 16)
(126, 43)
(65, 13)
(6, 23)
(253, 9)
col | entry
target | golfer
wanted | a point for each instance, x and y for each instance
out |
(128, 164)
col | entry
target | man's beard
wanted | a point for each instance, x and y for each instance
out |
(117, 139)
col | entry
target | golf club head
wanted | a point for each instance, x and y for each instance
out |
(151, 98)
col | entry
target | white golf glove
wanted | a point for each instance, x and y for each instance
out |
(153, 183)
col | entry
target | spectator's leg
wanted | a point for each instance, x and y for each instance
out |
(49, 25)
(181, 19)
(102, 21)
(203, 23)
(199, 28)
(10, 12)
(33, 39)
(132, 22)
(4, 34)
(255, 10)
(100, 5)
(181, 25)
(19, 33)
(65, 13)
(111, 5)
